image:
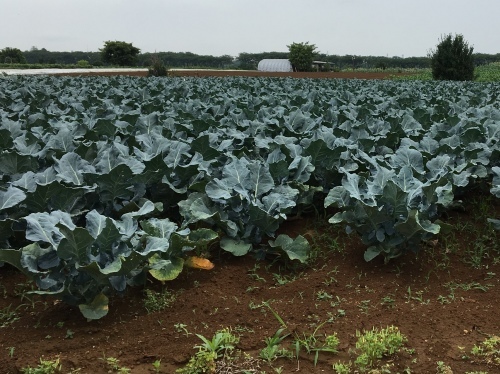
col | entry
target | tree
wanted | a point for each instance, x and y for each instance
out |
(12, 56)
(301, 56)
(452, 59)
(119, 53)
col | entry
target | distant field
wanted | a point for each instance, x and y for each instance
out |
(486, 73)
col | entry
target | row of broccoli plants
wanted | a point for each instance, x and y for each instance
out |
(104, 180)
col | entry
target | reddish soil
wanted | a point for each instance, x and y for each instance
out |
(247, 73)
(438, 299)
(343, 75)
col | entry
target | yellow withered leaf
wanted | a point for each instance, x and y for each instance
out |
(198, 263)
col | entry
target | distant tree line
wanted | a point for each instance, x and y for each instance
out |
(187, 60)
(242, 61)
(251, 60)
(170, 59)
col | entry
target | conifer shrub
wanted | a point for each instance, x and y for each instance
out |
(452, 59)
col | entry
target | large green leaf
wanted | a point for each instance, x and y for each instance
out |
(301, 169)
(355, 185)
(71, 167)
(197, 207)
(414, 224)
(322, 156)
(259, 180)
(12, 163)
(96, 309)
(264, 220)
(42, 226)
(13, 257)
(117, 184)
(202, 146)
(56, 196)
(178, 152)
(236, 247)
(165, 270)
(11, 197)
(296, 249)
(161, 228)
(406, 156)
(75, 245)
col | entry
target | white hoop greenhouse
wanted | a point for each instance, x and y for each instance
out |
(275, 65)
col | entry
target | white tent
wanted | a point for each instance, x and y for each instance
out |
(275, 65)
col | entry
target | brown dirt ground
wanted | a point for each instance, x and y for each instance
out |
(247, 73)
(413, 293)
(441, 320)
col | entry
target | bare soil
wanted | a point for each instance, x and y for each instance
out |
(444, 299)
(249, 73)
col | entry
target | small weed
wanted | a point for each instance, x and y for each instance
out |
(420, 298)
(445, 299)
(329, 281)
(45, 367)
(333, 317)
(388, 301)
(223, 340)
(252, 273)
(417, 296)
(281, 280)
(323, 295)
(11, 351)
(251, 289)
(477, 252)
(114, 365)
(312, 344)
(204, 361)
(180, 327)
(272, 351)
(156, 366)
(342, 368)
(442, 368)
(467, 286)
(8, 315)
(364, 306)
(375, 344)
(335, 303)
(157, 301)
(489, 275)
(488, 350)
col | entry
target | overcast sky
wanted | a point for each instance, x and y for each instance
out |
(218, 27)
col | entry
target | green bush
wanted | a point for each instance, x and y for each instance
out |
(157, 68)
(83, 64)
(301, 56)
(452, 59)
(119, 53)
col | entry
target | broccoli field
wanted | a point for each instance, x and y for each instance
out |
(315, 225)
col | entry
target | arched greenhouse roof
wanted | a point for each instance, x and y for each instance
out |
(275, 65)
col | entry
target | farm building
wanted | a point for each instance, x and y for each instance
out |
(275, 65)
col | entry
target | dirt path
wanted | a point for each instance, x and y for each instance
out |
(204, 73)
